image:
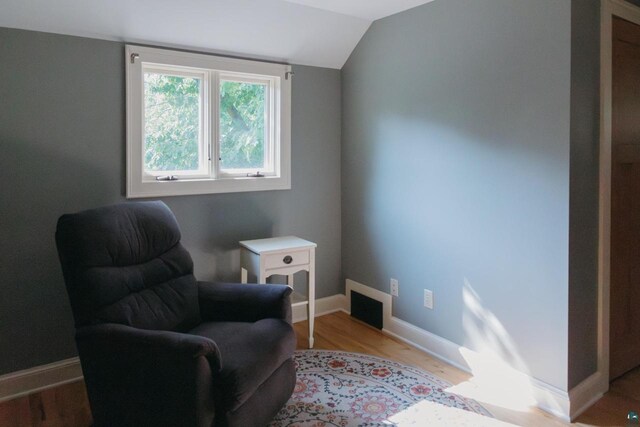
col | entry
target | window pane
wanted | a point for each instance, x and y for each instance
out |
(242, 125)
(171, 122)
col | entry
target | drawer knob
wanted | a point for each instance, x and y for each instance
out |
(287, 259)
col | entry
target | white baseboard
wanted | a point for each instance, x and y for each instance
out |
(426, 341)
(324, 306)
(587, 393)
(21, 383)
(564, 405)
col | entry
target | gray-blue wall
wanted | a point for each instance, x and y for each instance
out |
(455, 173)
(62, 145)
(583, 213)
(460, 175)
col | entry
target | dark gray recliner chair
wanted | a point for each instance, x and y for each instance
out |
(159, 348)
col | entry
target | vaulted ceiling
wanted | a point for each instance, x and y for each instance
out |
(309, 32)
(365, 9)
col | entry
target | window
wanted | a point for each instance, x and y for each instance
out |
(200, 124)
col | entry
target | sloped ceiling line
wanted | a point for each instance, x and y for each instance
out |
(308, 32)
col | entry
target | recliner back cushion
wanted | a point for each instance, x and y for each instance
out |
(125, 264)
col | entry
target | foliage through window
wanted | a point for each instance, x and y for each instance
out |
(205, 124)
(242, 125)
(172, 114)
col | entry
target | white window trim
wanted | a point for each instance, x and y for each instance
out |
(139, 186)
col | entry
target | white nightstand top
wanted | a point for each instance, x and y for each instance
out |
(275, 244)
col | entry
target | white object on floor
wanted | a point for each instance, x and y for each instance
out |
(285, 256)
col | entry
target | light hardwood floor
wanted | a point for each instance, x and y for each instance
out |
(67, 406)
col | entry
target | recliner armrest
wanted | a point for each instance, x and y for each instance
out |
(244, 302)
(111, 335)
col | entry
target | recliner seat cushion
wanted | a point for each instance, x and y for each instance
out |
(250, 353)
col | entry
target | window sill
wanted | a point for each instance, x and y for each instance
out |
(205, 186)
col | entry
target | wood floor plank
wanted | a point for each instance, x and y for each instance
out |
(15, 413)
(61, 407)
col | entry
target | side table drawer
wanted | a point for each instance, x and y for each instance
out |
(286, 259)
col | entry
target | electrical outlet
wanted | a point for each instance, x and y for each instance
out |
(394, 287)
(428, 299)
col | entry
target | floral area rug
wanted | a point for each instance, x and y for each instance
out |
(347, 389)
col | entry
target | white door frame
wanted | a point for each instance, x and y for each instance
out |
(625, 10)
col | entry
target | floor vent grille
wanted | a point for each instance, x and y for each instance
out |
(366, 309)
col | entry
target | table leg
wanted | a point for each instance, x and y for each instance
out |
(290, 280)
(312, 298)
(243, 275)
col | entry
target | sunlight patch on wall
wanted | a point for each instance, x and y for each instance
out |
(485, 332)
(500, 375)
(495, 383)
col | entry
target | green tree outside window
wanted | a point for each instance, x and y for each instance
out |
(242, 111)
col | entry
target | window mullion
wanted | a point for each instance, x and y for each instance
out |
(275, 125)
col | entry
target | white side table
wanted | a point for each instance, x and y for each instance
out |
(263, 258)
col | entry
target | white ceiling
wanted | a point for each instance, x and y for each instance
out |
(308, 32)
(365, 9)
